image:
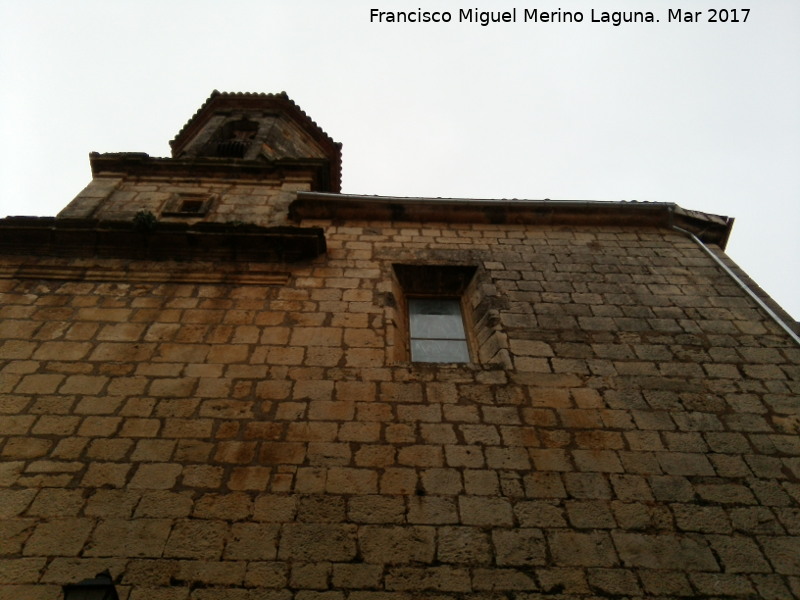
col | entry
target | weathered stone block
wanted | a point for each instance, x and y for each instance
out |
(433, 510)
(482, 511)
(196, 540)
(124, 537)
(582, 549)
(463, 545)
(397, 545)
(443, 579)
(249, 478)
(344, 480)
(21, 570)
(691, 517)
(665, 551)
(274, 508)
(101, 474)
(59, 537)
(51, 503)
(252, 541)
(783, 553)
(376, 509)
(315, 542)
(156, 476)
(523, 547)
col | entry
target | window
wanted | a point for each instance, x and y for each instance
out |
(233, 139)
(436, 330)
(188, 205)
(431, 313)
(191, 206)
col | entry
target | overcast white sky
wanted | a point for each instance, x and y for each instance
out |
(706, 115)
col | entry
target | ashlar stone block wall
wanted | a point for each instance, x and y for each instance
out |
(117, 197)
(629, 431)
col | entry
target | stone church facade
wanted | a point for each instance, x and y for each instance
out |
(223, 379)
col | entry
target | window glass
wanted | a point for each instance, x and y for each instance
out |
(437, 330)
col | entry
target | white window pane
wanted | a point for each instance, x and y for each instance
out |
(435, 319)
(439, 351)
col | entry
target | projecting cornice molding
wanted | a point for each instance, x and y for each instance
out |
(49, 236)
(140, 164)
(713, 229)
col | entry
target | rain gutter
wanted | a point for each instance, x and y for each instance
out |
(772, 314)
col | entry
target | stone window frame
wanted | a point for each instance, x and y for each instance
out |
(482, 303)
(176, 206)
(424, 280)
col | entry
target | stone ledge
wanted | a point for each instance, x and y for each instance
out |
(141, 164)
(49, 236)
(138, 275)
(709, 228)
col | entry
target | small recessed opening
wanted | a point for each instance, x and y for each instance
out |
(188, 205)
(191, 206)
(431, 312)
(234, 139)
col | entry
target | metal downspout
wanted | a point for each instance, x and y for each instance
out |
(739, 282)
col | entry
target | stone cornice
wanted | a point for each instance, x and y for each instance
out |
(140, 164)
(49, 236)
(709, 228)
